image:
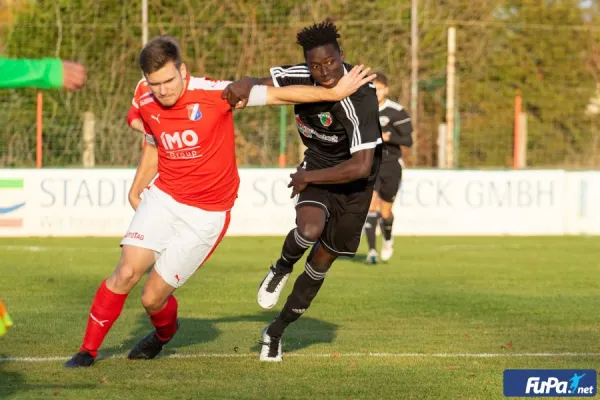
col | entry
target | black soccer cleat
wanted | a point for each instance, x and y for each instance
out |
(148, 347)
(81, 359)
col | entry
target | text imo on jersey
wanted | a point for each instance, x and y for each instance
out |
(550, 383)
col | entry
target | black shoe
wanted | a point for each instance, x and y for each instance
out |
(81, 359)
(148, 347)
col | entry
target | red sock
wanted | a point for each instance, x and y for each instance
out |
(105, 310)
(165, 320)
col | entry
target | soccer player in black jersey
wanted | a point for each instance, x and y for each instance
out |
(334, 183)
(397, 131)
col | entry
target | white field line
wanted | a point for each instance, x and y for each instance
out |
(325, 355)
(58, 249)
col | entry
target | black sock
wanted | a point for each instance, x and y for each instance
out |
(370, 228)
(386, 227)
(306, 287)
(293, 249)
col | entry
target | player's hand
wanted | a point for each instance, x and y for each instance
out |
(135, 199)
(298, 183)
(386, 136)
(357, 77)
(74, 75)
(238, 92)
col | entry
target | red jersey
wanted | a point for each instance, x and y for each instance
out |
(196, 143)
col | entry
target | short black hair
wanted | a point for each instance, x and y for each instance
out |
(381, 77)
(158, 52)
(317, 35)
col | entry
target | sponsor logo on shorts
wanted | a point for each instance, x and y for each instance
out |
(134, 235)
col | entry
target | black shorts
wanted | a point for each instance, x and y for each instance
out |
(346, 213)
(388, 180)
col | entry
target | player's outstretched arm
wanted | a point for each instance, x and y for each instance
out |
(295, 94)
(45, 73)
(237, 92)
(146, 171)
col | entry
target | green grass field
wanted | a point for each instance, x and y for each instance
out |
(442, 320)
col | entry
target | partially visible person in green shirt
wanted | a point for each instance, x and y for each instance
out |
(44, 73)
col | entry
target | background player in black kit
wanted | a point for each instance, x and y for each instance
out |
(397, 132)
(335, 181)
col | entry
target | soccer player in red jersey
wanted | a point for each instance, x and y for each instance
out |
(184, 214)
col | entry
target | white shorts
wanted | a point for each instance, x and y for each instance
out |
(183, 237)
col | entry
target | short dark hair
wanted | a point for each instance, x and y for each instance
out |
(318, 35)
(158, 52)
(381, 77)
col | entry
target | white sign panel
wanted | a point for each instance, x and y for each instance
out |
(93, 202)
(64, 202)
(447, 202)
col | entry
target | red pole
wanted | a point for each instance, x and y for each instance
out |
(38, 132)
(282, 161)
(517, 130)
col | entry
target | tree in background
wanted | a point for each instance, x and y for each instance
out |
(548, 50)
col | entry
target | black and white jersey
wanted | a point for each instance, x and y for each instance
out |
(332, 132)
(395, 120)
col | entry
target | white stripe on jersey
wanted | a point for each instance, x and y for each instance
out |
(369, 145)
(391, 104)
(299, 69)
(351, 114)
(299, 66)
(279, 71)
(284, 75)
(401, 122)
(206, 84)
(295, 72)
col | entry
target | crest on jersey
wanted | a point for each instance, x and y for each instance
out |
(194, 112)
(325, 118)
(383, 120)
